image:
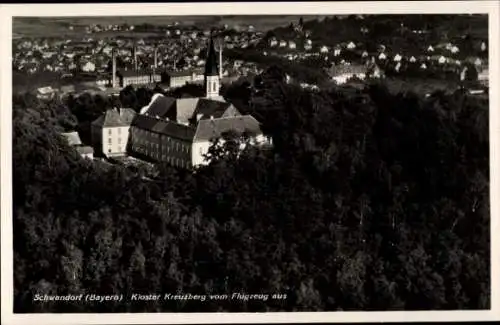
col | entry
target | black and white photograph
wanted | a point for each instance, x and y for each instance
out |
(220, 159)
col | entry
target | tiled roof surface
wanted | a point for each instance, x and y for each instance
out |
(160, 105)
(73, 138)
(175, 130)
(185, 108)
(116, 118)
(208, 108)
(144, 122)
(169, 128)
(214, 128)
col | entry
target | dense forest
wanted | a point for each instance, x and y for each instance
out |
(367, 201)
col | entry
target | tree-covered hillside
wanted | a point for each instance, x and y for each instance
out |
(368, 201)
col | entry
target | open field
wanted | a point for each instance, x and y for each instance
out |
(57, 26)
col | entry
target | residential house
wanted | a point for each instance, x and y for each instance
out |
(324, 49)
(483, 76)
(45, 92)
(454, 49)
(292, 45)
(351, 46)
(283, 43)
(88, 67)
(110, 132)
(74, 141)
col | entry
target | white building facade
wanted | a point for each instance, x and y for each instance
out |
(110, 132)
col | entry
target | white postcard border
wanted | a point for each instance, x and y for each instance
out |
(491, 8)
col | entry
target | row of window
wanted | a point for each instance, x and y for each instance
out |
(179, 147)
(110, 131)
(142, 136)
(110, 140)
(119, 148)
(177, 162)
(135, 80)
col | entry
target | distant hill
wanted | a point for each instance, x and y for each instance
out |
(396, 32)
(52, 26)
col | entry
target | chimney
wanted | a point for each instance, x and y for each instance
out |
(220, 60)
(156, 58)
(135, 58)
(113, 73)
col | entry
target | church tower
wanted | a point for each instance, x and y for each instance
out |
(212, 79)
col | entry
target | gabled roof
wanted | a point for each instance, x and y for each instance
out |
(160, 105)
(144, 122)
(115, 118)
(185, 108)
(214, 128)
(73, 138)
(208, 108)
(175, 130)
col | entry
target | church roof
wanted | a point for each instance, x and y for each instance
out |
(209, 107)
(164, 127)
(144, 122)
(214, 128)
(175, 130)
(183, 110)
(211, 67)
(160, 105)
